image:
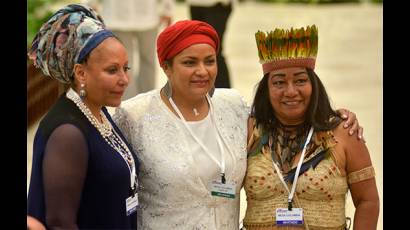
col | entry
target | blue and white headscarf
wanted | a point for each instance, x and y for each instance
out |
(66, 39)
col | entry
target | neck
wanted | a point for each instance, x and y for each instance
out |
(193, 108)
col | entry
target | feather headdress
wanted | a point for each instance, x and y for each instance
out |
(287, 48)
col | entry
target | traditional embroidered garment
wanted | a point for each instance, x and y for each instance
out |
(321, 189)
(173, 195)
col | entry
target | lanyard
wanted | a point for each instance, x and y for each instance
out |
(133, 174)
(221, 164)
(295, 180)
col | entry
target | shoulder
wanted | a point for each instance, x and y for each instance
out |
(355, 151)
(64, 111)
(229, 96)
(136, 106)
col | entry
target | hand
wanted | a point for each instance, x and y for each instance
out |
(352, 122)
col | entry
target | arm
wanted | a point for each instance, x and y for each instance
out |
(351, 122)
(362, 183)
(64, 170)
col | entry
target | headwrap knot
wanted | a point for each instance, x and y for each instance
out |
(66, 39)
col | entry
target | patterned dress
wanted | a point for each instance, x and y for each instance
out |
(173, 196)
(321, 188)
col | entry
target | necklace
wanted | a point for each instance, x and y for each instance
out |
(195, 112)
(105, 129)
(287, 142)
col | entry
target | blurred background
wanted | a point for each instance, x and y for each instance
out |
(349, 61)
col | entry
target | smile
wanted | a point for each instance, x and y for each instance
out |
(291, 102)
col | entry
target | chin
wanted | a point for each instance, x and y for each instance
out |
(114, 103)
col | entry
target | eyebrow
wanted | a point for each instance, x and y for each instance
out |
(283, 75)
(193, 57)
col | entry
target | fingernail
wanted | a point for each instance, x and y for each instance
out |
(360, 137)
(350, 132)
(345, 125)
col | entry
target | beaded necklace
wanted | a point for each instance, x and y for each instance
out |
(105, 129)
(287, 141)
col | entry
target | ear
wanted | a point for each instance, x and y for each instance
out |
(167, 70)
(80, 75)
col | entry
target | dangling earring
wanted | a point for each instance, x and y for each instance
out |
(211, 91)
(83, 93)
(167, 89)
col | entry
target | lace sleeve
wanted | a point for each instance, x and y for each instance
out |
(64, 170)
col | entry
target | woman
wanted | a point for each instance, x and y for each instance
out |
(84, 172)
(294, 131)
(189, 137)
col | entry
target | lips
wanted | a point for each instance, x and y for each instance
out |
(200, 83)
(291, 103)
(120, 93)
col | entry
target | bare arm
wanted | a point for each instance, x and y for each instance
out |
(363, 189)
(64, 170)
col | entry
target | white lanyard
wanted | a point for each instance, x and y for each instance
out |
(295, 179)
(207, 151)
(132, 170)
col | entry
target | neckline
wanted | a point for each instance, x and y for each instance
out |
(170, 113)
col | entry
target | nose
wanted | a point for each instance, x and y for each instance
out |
(290, 90)
(201, 70)
(124, 78)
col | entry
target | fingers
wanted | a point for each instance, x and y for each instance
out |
(360, 134)
(354, 127)
(350, 118)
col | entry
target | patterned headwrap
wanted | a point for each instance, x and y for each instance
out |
(183, 34)
(66, 39)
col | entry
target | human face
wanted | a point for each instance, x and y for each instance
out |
(289, 93)
(106, 74)
(192, 72)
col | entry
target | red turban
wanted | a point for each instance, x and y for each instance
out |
(183, 34)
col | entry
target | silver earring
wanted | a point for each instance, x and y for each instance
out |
(211, 91)
(167, 89)
(83, 93)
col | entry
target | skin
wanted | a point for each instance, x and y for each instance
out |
(290, 90)
(34, 224)
(105, 75)
(192, 74)
(289, 94)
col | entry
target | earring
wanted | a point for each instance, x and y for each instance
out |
(83, 93)
(211, 91)
(167, 89)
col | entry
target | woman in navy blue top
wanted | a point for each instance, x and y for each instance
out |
(84, 173)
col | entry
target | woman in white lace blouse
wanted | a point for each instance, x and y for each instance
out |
(190, 138)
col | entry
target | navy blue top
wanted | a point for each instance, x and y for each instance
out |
(107, 182)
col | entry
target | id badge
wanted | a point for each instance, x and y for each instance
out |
(131, 204)
(286, 217)
(226, 190)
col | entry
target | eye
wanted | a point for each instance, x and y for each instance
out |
(278, 83)
(188, 62)
(112, 70)
(126, 68)
(210, 61)
(301, 81)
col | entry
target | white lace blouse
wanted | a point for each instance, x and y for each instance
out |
(173, 195)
